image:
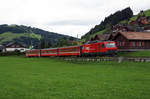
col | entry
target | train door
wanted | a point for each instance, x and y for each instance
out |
(39, 52)
(80, 48)
(57, 52)
(101, 47)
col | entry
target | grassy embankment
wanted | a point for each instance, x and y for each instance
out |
(44, 78)
(8, 36)
(135, 54)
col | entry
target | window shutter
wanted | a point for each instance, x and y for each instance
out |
(123, 43)
(143, 43)
(131, 43)
(137, 43)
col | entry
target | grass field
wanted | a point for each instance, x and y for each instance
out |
(135, 54)
(44, 78)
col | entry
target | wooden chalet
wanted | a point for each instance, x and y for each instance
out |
(147, 28)
(132, 41)
(2, 48)
(101, 37)
(15, 46)
(141, 20)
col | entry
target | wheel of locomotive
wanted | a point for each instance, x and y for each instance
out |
(90, 54)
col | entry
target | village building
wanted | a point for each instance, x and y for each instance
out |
(141, 21)
(101, 37)
(2, 48)
(132, 41)
(147, 28)
(128, 28)
(15, 46)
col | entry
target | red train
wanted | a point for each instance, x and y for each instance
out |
(97, 48)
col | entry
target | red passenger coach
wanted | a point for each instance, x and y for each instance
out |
(49, 52)
(33, 53)
(69, 51)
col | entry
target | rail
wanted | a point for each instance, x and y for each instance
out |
(99, 59)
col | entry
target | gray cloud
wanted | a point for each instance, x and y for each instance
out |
(70, 17)
(73, 22)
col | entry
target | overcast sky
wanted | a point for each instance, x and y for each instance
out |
(70, 17)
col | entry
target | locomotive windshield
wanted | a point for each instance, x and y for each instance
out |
(110, 45)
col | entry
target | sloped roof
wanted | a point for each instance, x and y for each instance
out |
(102, 36)
(11, 43)
(1, 47)
(136, 35)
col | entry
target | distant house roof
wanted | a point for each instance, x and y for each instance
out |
(147, 27)
(12, 43)
(102, 37)
(2, 47)
(136, 35)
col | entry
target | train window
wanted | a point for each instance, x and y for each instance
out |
(102, 46)
(75, 49)
(66, 50)
(99, 46)
(110, 45)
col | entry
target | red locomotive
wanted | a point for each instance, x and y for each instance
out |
(96, 48)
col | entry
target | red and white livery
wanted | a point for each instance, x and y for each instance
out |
(96, 48)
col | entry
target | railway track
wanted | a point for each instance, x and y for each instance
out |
(99, 59)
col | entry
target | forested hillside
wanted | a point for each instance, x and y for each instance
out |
(113, 19)
(29, 36)
(123, 18)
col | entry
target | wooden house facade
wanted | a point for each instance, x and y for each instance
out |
(2, 48)
(132, 41)
(15, 46)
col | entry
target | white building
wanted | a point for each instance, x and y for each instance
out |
(15, 46)
(2, 48)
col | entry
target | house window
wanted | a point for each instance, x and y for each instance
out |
(134, 43)
(103, 46)
(120, 43)
(140, 43)
(13, 46)
(17, 46)
(123, 43)
(143, 43)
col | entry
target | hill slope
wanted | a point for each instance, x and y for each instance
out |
(28, 35)
(112, 20)
(109, 21)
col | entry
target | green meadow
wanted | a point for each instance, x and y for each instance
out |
(46, 78)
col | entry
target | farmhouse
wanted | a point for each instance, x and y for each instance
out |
(132, 41)
(147, 28)
(120, 27)
(15, 46)
(141, 21)
(2, 48)
(101, 37)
